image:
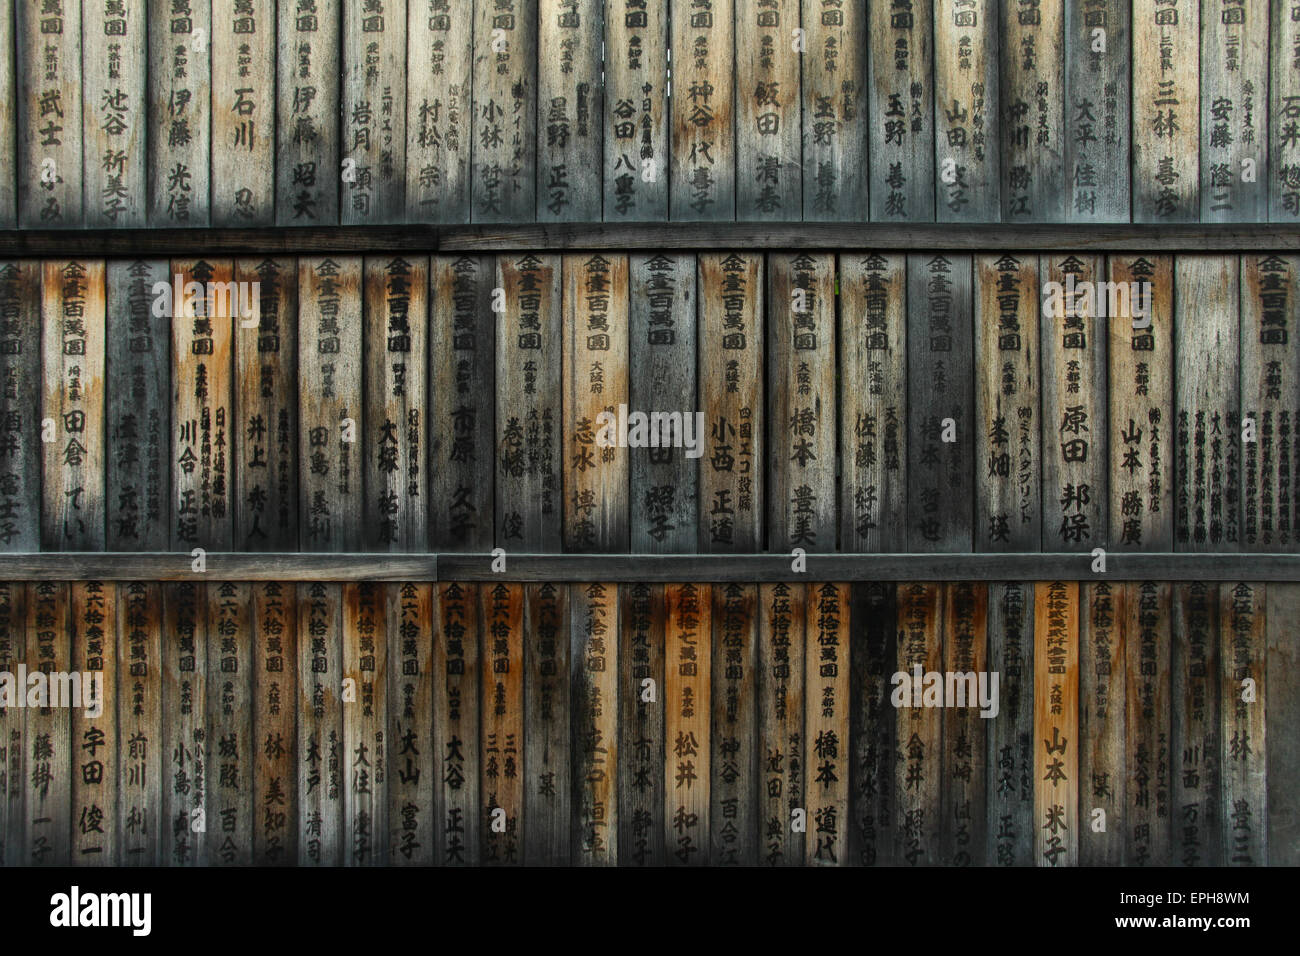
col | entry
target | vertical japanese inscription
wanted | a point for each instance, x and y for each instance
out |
(1056, 723)
(142, 757)
(836, 109)
(456, 723)
(636, 110)
(1102, 706)
(570, 91)
(733, 789)
(307, 113)
(179, 134)
(703, 111)
(687, 748)
(243, 113)
(964, 826)
(1032, 95)
(917, 753)
(826, 724)
(781, 746)
(21, 406)
(373, 132)
(365, 756)
(49, 113)
(439, 52)
(228, 797)
(319, 717)
(47, 742)
(966, 112)
(95, 740)
(504, 120)
(1166, 111)
(1098, 105)
(547, 743)
(900, 134)
(769, 180)
(501, 703)
(594, 666)
(1234, 103)
(412, 820)
(113, 114)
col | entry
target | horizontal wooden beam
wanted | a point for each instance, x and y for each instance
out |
(221, 566)
(354, 240)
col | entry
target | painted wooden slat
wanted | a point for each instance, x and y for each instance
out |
(1280, 713)
(501, 706)
(1008, 392)
(967, 112)
(1148, 755)
(13, 653)
(872, 834)
(373, 94)
(687, 742)
(307, 167)
(456, 722)
(266, 407)
(767, 68)
(395, 453)
(635, 137)
(229, 758)
(412, 814)
(72, 476)
(702, 110)
(1098, 106)
(964, 827)
(47, 741)
(900, 135)
(275, 713)
(462, 383)
(1032, 97)
(643, 618)
(365, 757)
(185, 829)
(320, 781)
(440, 111)
(940, 397)
(49, 114)
(873, 445)
(730, 392)
(594, 628)
(142, 757)
(179, 134)
(1166, 111)
(8, 118)
(664, 481)
(529, 502)
(1197, 818)
(827, 667)
(801, 376)
(1102, 708)
(243, 113)
(504, 125)
(1243, 738)
(21, 401)
(114, 112)
(836, 109)
(570, 108)
(734, 785)
(782, 610)
(94, 738)
(1234, 102)
(1056, 723)
(918, 752)
(1284, 114)
(547, 752)
(1012, 828)
(595, 377)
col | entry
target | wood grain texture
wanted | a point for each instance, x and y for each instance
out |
(114, 114)
(1102, 710)
(703, 111)
(767, 71)
(8, 118)
(47, 740)
(780, 682)
(228, 754)
(13, 652)
(501, 724)
(178, 136)
(570, 93)
(243, 113)
(1234, 126)
(872, 664)
(1032, 98)
(1056, 723)
(504, 143)
(365, 743)
(1166, 111)
(1148, 754)
(94, 738)
(307, 133)
(918, 752)
(412, 811)
(142, 757)
(637, 159)
(184, 724)
(1244, 701)
(373, 96)
(21, 405)
(1283, 115)
(827, 669)
(901, 129)
(49, 114)
(1098, 109)
(836, 110)
(643, 621)
(687, 740)
(963, 832)
(734, 785)
(593, 719)
(1280, 714)
(1197, 809)
(458, 623)
(967, 111)
(547, 744)
(440, 110)
(275, 707)
(320, 781)
(1012, 827)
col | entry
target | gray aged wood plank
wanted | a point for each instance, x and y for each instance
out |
(967, 113)
(365, 751)
(412, 811)
(702, 111)
(1283, 115)
(872, 834)
(637, 158)
(1148, 758)
(275, 715)
(142, 749)
(1098, 108)
(440, 110)
(504, 145)
(570, 109)
(918, 750)
(1197, 766)
(1011, 825)
(779, 687)
(8, 118)
(734, 786)
(13, 652)
(93, 738)
(836, 110)
(964, 828)
(319, 718)
(49, 115)
(307, 169)
(687, 737)
(641, 725)
(593, 720)
(47, 742)
(501, 733)
(179, 133)
(185, 827)
(1234, 103)
(228, 750)
(1166, 111)
(243, 113)
(457, 623)
(767, 70)
(901, 142)
(1102, 710)
(1032, 98)
(21, 405)
(1056, 724)
(826, 723)
(547, 751)
(114, 113)
(373, 130)
(1243, 658)
(1282, 717)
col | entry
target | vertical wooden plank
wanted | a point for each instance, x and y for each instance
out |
(730, 392)
(1243, 626)
(873, 445)
(901, 143)
(330, 416)
(687, 706)
(1194, 659)
(826, 724)
(1141, 410)
(462, 381)
(72, 476)
(703, 179)
(769, 180)
(504, 146)
(114, 113)
(94, 738)
(1270, 396)
(529, 506)
(365, 718)
(547, 803)
(1074, 348)
(142, 781)
(266, 407)
(918, 752)
(636, 111)
(320, 780)
(412, 813)
(1148, 760)
(185, 824)
(456, 722)
(49, 114)
(243, 114)
(230, 760)
(734, 785)
(203, 435)
(1282, 705)
(662, 330)
(595, 399)
(1008, 389)
(872, 834)
(570, 91)
(1234, 129)
(835, 108)
(8, 118)
(594, 668)
(642, 619)
(373, 134)
(275, 707)
(1012, 828)
(307, 169)
(139, 406)
(1056, 723)
(179, 133)
(21, 407)
(1166, 111)
(396, 366)
(47, 740)
(1098, 103)
(939, 400)
(13, 654)
(439, 51)
(966, 110)
(781, 745)
(501, 702)
(1102, 704)
(1032, 97)
(964, 827)
(1284, 114)
(801, 378)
